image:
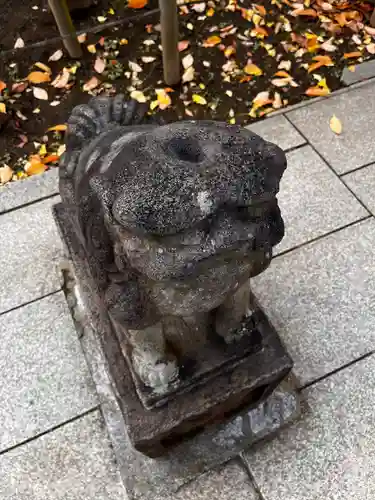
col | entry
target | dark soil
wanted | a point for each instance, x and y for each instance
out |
(229, 100)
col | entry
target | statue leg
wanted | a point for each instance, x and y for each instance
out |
(156, 367)
(232, 311)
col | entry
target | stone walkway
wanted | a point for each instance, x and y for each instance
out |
(319, 292)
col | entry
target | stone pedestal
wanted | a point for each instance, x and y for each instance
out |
(165, 226)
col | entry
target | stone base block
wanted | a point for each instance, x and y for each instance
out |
(216, 400)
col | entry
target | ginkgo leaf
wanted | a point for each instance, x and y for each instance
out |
(199, 99)
(58, 128)
(43, 67)
(91, 84)
(40, 93)
(99, 65)
(56, 56)
(137, 4)
(137, 95)
(91, 48)
(82, 38)
(163, 99)
(335, 125)
(38, 77)
(253, 69)
(211, 41)
(3, 108)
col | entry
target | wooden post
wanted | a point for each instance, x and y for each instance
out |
(65, 25)
(169, 41)
(372, 20)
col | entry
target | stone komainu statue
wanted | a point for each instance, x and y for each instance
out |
(175, 219)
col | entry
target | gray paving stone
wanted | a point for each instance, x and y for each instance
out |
(30, 250)
(321, 299)
(44, 377)
(278, 130)
(355, 147)
(16, 194)
(228, 482)
(74, 462)
(313, 200)
(330, 453)
(362, 71)
(362, 183)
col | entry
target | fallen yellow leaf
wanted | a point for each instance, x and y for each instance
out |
(253, 69)
(163, 99)
(43, 67)
(282, 74)
(50, 159)
(335, 125)
(137, 4)
(38, 77)
(305, 12)
(199, 99)
(259, 32)
(262, 11)
(35, 166)
(211, 41)
(3, 108)
(317, 91)
(58, 128)
(91, 48)
(350, 55)
(137, 95)
(91, 84)
(6, 174)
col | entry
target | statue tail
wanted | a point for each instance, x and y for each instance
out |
(90, 120)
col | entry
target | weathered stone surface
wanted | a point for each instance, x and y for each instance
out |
(30, 251)
(148, 479)
(330, 452)
(362, 71)
(17, 194)
(362, 183)
(279, 130)
(74, 462)
(320, 299)
(165, 214)
(244, 383)
(355, 147)
(44, 377)
(227, 482)
(313, 200)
